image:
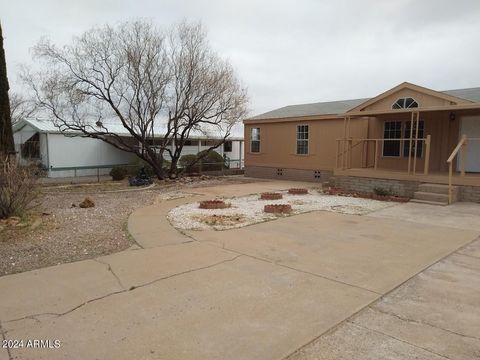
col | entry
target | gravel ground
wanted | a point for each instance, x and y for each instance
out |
(59, 233)
(248, 210)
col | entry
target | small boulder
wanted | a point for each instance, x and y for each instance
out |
(87, 203)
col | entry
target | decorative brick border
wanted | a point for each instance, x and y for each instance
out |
(212, 204)
(297, 191)
(278, 209)
(271, 196)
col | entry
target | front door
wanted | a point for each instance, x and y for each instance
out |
(470, 126)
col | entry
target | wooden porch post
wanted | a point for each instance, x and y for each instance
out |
(350, 146)
(344, 149)
(376, 154)
(410, 146)
(336, 153)
(349, 159)
(463, 154)
(427, 155)
(416, 143)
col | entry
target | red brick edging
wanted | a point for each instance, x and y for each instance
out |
(297, 191)
(212, 204)
(278, 209)
(271, 196)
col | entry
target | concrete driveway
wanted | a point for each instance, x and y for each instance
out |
(260, 292)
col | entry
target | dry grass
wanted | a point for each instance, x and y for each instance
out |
(57, 233)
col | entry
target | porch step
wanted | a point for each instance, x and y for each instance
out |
(429, 202)
(428, 196)
(437, 188)
(435, 194)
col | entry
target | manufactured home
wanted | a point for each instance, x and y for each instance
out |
(66, 154)
(415, 141)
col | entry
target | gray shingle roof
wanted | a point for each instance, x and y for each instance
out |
(472, 94)
(342, 106)
(321, 108)
(48, 126)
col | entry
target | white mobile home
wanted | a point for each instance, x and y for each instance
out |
(67, 154)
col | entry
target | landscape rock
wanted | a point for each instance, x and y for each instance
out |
(87, 203)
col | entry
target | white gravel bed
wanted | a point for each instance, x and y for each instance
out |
(247, 210)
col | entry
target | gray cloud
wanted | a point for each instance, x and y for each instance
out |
(288, 51)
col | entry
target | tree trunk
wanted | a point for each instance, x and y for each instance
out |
(173, 168)
(6, 133)
(156, 162)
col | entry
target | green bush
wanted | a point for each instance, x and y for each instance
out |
(118, 173)
(382, 191)
(212, 161)
(135, 165)
(186, 162)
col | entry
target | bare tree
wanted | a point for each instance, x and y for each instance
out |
(21, 107)
(160, 86)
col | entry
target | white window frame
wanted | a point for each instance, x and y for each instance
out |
(400, 152)
(404, 100)
(256, 139)
(307, 139)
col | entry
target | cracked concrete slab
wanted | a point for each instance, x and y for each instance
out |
(4, 351)
(150, 228)
(242, 309)
(371, 253)
(285, 284)
(139, 267)
(437, 340)
(353, 342)
(54, 289)
(447, 296)
(437, 311)
(472, 249)
(460, 215)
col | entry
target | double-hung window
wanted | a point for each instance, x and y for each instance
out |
(392, 130)
(302, 139)
(255, 140)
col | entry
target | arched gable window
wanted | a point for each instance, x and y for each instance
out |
(405, 103)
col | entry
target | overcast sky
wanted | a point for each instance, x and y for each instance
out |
(287, 52)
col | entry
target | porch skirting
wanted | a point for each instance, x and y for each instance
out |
(267, 172)
(404, 188)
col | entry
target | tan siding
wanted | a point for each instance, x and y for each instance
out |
(278, 144)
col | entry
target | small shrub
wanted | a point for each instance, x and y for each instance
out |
(18, 188)
(134, 167)
(187, 162)
(118, 173)
(211, 161)
(382, 191)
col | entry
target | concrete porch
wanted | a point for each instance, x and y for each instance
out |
(438, 177)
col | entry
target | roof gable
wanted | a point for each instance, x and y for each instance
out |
(424, 97)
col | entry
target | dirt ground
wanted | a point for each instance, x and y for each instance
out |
(57, 232)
